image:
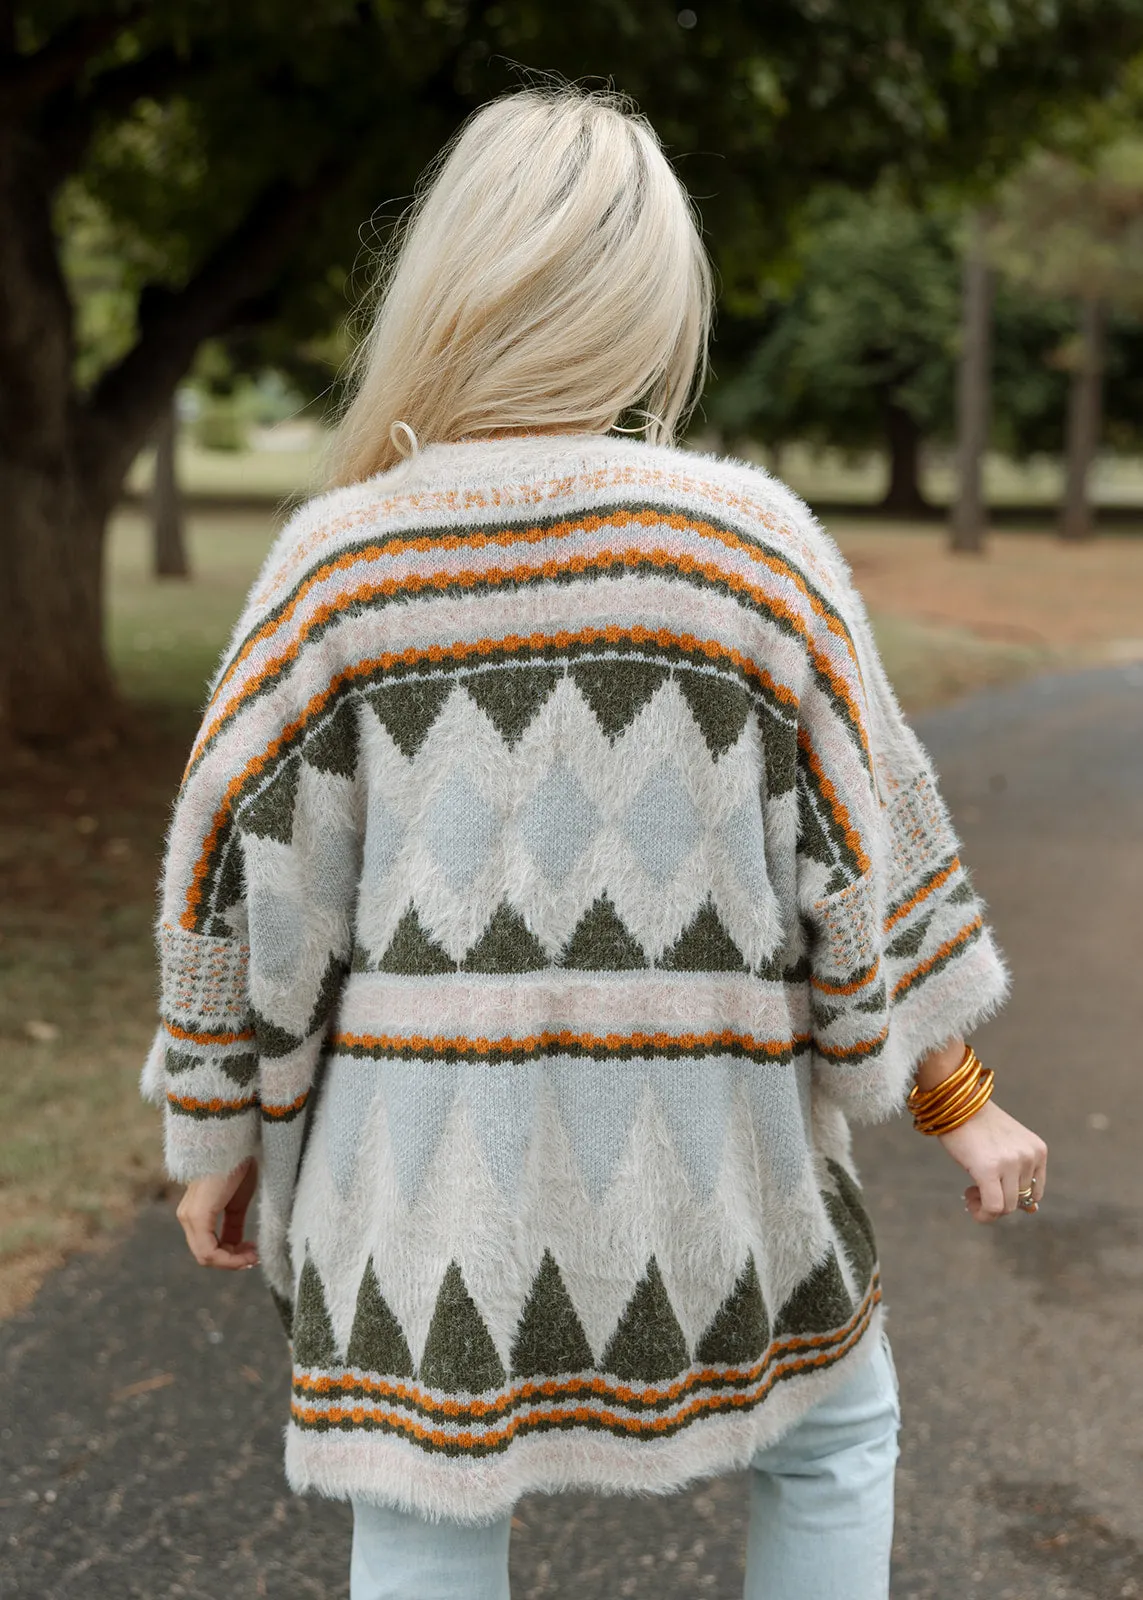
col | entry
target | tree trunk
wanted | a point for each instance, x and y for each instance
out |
(1085, 405)
(54, 680)
(969, 515)
(169, 544)
(903, 440)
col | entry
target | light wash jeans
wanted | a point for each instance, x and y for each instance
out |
(821, 1515)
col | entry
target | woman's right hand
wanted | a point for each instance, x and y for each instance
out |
(1002, 1157)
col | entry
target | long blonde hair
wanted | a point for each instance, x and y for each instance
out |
(550, 276)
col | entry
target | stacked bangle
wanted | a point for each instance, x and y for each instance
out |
(951, 1103)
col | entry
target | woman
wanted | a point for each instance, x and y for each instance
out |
(552, 878)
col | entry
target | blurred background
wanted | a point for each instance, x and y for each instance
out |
(927, 221)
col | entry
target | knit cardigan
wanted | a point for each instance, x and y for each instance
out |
(552, 877)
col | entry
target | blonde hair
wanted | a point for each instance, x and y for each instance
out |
(549, 277)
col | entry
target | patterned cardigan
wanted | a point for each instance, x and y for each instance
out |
(552, 877)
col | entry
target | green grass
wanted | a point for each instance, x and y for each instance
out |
(259, 475)
(165, 636)
(283, 475)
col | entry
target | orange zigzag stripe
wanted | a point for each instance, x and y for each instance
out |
(461, 651)
(597, 1386)
(633, 1425)
(566, 1040)
(401, 544)
(191, 1037)
(923, 893)
(945, 949)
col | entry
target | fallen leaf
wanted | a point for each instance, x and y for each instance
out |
(41, 1032)
(144, 1386)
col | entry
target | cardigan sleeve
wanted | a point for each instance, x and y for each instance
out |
(901, 957)
(255, 931)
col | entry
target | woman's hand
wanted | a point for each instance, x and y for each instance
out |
(198, 1211)
(1002, 1156)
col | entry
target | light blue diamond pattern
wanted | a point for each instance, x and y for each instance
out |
(460, 829)
(384, 833)
(597, 1101)
(744, 839)
(663, 824)
(500, 1099)
(558, 822)
(418, 1096)
(350, 1089)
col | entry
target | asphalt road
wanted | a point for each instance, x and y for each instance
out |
(1018, 1346)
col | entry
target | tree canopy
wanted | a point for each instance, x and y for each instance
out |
(229, 151)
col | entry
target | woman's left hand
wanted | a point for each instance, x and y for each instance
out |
(198, 1211)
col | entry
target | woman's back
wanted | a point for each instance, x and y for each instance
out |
(552, 877)
(566, 956)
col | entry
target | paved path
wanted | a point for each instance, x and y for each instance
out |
(1018, 1346)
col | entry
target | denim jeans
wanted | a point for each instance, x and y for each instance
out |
(821, 1515)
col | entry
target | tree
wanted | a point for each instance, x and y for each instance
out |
(169, 543)
(1074, 229)
(973, 393)
(859, 352)
(234, 148)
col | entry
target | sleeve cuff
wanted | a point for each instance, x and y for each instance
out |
(200, 1142)
(952, 1002)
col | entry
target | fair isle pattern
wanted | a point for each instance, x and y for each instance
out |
(552, 875)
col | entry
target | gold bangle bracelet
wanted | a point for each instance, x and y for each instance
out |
(925, 1101)
(954, 1119)
(953, 1103)
(949, 1122)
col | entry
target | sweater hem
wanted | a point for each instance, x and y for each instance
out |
(383, 1470)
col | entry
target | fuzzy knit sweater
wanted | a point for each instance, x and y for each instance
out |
(552, 878)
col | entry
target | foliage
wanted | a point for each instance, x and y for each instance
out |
(1073, 228)
(195, 113)
(871, 321)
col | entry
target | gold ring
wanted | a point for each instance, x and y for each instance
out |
(1026, 1199)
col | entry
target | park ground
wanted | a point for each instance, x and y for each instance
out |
(80, 835)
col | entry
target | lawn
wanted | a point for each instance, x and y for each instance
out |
(80, 838)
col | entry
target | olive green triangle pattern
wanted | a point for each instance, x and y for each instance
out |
(616, 690)
(779, 756)
(847, 1212)
(812, 840)
(412, 953)
(312, 1330)
(329, 992)
(740, 1331)
(704, 946)
(230, 885)
(648, 1345)
(459, 1355)
(270, 814)
(962, 895)
(718, 705)
(506, 945)
(601, 943)
(334, 746)
(272, 1040)
(550, 1337)
(908, 944)
(241, 1069)
(511, 696)
(819, 1304)
(408, 710)
(376, 1342)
